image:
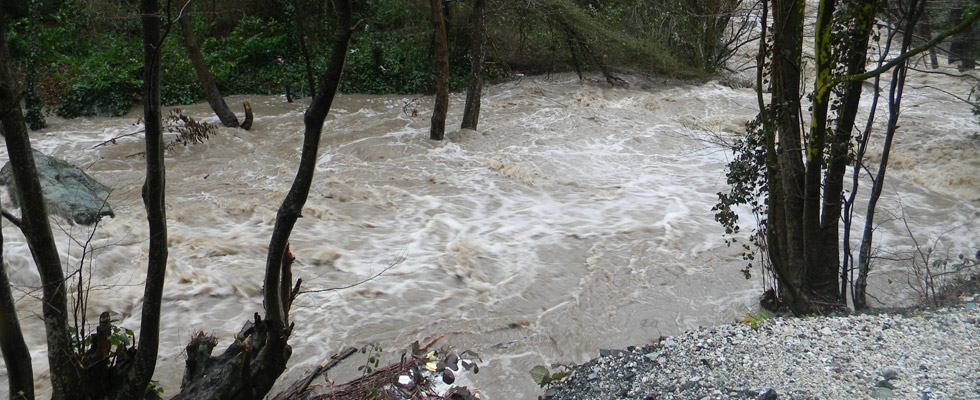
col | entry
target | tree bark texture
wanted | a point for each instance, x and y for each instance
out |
(16, 356)
(215, 100)
(37, 230)
(240, 372)
(819, 280)
(786, 61)
(441, 55)
(471, 111)
(143, 365)
(863, 14)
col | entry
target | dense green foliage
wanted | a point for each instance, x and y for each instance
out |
(84, 55)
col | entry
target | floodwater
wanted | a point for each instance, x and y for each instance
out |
(577, 218)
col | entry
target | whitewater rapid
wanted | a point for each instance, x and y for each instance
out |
(577, 218)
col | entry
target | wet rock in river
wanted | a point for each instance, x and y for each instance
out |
(68, 191)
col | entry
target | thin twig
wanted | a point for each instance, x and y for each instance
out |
(390, 265)
(113, 140)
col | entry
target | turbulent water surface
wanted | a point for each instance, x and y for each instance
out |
(577, 218)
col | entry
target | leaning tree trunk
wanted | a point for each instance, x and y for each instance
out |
(20, 372)
(471, 111)
(210, 88)
(250, 366)
(65, 380)
(441, 51)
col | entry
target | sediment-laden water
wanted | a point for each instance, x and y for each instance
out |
(577, 218)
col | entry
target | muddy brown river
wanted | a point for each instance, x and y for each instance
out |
(577, 218)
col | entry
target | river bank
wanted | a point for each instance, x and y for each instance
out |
(915, 353)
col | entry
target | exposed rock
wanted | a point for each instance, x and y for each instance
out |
(68, 191)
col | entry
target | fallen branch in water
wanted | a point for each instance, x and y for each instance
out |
(300, 389)
(113, 140)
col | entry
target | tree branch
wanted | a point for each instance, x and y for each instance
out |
(911, 53)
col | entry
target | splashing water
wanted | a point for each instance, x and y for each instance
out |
(578, 218)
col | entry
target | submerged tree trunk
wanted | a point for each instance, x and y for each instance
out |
(471, 112)
(441, 55)
(17, 358)
(65, 380)
(215, 100)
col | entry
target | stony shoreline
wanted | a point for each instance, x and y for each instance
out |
(917, 354)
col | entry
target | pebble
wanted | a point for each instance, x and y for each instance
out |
(859, 356)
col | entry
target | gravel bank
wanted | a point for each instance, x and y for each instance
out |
(919, 355)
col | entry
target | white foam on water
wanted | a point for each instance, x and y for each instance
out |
(577, 218)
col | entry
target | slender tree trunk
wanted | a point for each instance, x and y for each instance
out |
(37, 230)
(441, 52)
(249, 367)
(826, 266)
(303, 49)
(20, 371)
(572, 55)
(927, 34)
(141, 371)
(295, 199)
(915, 10)
(217, 102)
(471, 112)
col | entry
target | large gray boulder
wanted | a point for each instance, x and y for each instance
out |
(68, 191)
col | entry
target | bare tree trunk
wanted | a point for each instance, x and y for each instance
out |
(292, 206)
(927, 34)
(140, 372)
(304, 51)
(897, 87)
(20, 372)
(210, 88)
(828, 264)
(441, 52)
(786, 64)
(471, 112)
(249, 367)
(65, 380)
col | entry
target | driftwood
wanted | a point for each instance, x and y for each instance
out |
(386, 383)
(301, 388)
